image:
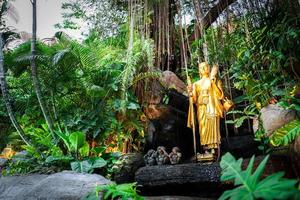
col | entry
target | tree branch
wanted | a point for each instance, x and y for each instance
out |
(213, 14)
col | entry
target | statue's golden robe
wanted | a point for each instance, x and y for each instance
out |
(207, 95)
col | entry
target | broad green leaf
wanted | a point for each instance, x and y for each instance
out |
(231, 168)
(250, 186)
(98, 150)
(77, 140)
(51, 159)
(82, 166)
(259, 170)
(65, 138)
(85, 150)
(286, 134)
(238, 193)
(98, 162)
(274, 186)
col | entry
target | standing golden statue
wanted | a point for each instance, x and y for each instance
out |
(207, 94)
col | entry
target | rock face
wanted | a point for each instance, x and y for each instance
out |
(65, 185)
(274, 117)
(296, 156)
(240, 146)
(170, 130)
(171, 81)
(297, 145)
(184, 179)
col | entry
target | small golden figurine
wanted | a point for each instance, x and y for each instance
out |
(207, 94)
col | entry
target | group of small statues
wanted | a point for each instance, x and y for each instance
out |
(161, 156)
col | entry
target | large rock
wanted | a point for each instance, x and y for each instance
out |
(297, 145)
(274, 117)
(154, 96)
(171, 81)
(65, 185)
(296, 156)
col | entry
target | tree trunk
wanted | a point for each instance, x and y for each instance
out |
(183, 46)
(5, 96)
(214, 12)
(35, 79)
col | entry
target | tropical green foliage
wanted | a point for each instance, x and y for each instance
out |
(88, 166)
(115, 191)
(249, 184)
(269, 58)
(85, 83)
(258, 57)
(286, 134)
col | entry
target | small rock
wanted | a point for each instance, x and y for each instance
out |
(3, 161)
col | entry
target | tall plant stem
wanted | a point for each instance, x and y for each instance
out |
(5, 96)
(35, 79)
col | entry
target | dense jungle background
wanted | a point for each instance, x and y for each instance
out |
(82, 105)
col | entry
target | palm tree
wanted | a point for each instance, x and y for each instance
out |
(5, 93)
(35, 79)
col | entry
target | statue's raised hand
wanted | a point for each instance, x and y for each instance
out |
(214, 72)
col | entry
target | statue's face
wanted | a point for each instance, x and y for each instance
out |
(160, 151)
(203, 68)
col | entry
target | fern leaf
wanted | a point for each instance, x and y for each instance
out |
(286, 134)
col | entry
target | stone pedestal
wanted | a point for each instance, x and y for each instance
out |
(194, 179)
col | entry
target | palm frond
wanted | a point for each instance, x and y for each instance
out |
(59, 56)
(286, 134)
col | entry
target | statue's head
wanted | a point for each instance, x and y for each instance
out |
(161, 150)
(150, 152)
(204, 69)
(175, 150)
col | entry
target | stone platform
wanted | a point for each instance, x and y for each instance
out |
(197, 179)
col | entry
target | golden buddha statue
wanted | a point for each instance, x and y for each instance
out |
(207, 94)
